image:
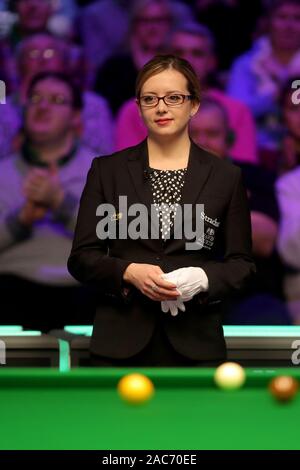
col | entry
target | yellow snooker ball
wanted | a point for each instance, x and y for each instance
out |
(135, 388)
(230, 376)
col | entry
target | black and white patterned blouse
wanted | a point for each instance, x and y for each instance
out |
(166, 190)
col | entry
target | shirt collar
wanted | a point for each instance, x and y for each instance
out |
(31, 156)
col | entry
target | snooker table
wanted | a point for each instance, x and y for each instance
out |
(80, 409)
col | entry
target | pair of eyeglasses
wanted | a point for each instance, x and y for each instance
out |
(172, 99)
(35, 54)
(57, 99)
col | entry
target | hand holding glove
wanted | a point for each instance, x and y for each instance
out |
(189, 282)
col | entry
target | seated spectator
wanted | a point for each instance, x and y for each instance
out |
(150, 24)
(103, 26)
(257, 76)
(38, 16)
(287, 157)
(288, 192)
(44, 52)
(195, 43)
(40, 190)
(263, 301)
(32, 17)
(27, 17)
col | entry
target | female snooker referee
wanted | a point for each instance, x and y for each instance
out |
(160, 281)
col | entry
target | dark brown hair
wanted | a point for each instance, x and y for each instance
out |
(163, 62)
(77, 99)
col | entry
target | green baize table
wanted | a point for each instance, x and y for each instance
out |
(81, 409)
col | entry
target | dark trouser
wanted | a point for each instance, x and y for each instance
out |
(43, 307)
(158, 353)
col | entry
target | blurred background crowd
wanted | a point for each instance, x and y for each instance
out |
(69, 69)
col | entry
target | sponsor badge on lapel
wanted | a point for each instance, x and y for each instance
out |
(207, 240)
(116, 216)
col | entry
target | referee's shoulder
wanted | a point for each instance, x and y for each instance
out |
(116, 159)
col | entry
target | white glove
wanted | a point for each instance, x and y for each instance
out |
(173, 306)
(189, 282)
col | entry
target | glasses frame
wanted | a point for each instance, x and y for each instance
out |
(35, 99)
(158, 98)
(36, 54)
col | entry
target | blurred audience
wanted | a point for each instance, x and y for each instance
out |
(44, 52)
(288, 192)
(40, 190)
(54, 52)
(28, 17)
(150, 24)
(32, 17)
(36, 16)
(195, 43)
(263, 301)
(290, 101)
(103, 26)
(287, 156)
(257, 76)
